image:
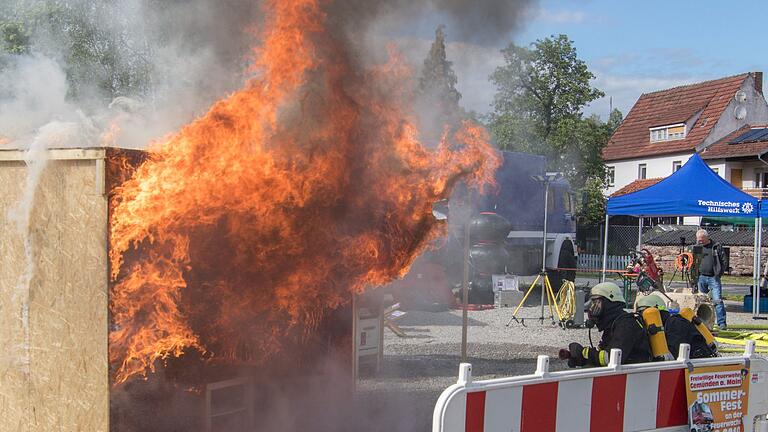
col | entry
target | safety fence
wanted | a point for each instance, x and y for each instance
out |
(595, 261)
(630, 398)
(621, 238)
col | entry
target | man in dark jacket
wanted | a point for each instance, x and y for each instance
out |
(677, 329)
(620, 329)
(710, 270)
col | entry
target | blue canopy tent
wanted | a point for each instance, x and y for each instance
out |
(693, 190)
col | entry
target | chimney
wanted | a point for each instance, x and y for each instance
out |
(758, 81)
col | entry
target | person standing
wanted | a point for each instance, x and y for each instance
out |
(710, 270)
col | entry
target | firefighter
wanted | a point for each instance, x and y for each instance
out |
(677, 329)
(620, 329)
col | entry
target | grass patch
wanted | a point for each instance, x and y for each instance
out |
(735, 297)
(736, 280)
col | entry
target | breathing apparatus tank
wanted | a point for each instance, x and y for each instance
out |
(659, 347)
(688, 314)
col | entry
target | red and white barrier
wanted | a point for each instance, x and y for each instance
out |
(642, 397)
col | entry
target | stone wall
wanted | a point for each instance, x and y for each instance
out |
(741, 258)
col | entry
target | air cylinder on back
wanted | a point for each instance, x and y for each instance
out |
(656, 335)
(688, 314)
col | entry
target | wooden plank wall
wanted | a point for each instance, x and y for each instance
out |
(64, 386)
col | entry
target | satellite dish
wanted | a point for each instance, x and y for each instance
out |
(740, 113)
(740, 96)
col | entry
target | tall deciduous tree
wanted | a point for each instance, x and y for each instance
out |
(543, 84)
(541, 92)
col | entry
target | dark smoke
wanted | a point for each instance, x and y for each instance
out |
(482, 20)
(479, 21)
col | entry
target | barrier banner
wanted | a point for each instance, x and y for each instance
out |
(717, 398)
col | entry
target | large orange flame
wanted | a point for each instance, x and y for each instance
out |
(307, 184)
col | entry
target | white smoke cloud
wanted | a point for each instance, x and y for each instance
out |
(33, 92)
(171, 58)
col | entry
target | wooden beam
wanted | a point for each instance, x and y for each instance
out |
(57, 154)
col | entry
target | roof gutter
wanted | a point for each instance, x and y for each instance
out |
(760, 156)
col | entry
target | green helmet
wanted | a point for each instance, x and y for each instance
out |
(651, 301)
(609, 290)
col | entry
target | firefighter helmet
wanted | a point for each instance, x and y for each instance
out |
(651, 301)
(608, 290)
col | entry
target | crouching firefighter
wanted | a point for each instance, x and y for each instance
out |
(676, 329)
(620, 329)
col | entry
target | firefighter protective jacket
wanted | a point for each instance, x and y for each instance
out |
(679, 330)
(625, 331)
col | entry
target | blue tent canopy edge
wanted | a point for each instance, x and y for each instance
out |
(693, 190)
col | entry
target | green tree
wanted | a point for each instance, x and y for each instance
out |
(13, 37)
(538, 108)
(437, 83)
(543, 85)
(614, 120)
(94, 55)
(578, 144)
(591, 202)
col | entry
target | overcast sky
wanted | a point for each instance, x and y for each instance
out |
(631, 47)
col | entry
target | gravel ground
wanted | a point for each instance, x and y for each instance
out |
(418, 368)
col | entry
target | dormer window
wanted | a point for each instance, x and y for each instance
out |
(668, 133)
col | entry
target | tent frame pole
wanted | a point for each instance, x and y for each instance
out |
(757, 265)
(639, 232)
(605, 249)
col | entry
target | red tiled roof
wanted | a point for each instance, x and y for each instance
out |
(636, 186)
(722, 149)
(666, 107)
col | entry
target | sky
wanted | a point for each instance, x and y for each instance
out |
(630, 47)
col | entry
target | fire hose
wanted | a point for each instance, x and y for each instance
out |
(741, 338)
(684, 261)
(566, 300)
(683, 264)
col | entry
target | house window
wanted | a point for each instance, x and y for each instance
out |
(716, 170)
(610, 176)
(676, 132)
(668, 133)
(761, 179)
(659, 135)
(641, 171)
(676, 165)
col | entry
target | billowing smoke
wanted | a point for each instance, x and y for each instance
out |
(170, 59)
(295, 175)
(34, 108)
(480, 21)
(176, 57)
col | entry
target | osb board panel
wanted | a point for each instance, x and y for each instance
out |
(14, 385)
(66, 385)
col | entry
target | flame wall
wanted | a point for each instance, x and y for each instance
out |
(310, 183)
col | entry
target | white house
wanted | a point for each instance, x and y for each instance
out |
(722, 120)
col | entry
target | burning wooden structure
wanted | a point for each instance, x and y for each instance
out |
(55, 319)
(229, 255)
